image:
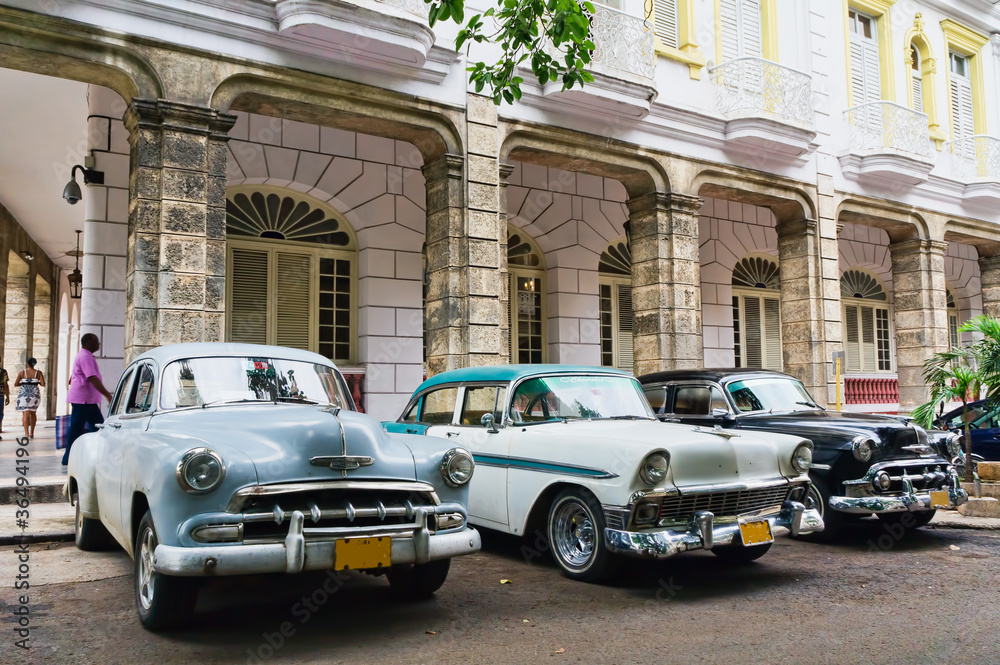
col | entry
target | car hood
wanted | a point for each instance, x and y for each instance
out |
(697, 456)
(280, 439)
(832, 430)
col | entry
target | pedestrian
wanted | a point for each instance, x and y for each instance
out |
(30, 381)
(85, 390)
(5, 382)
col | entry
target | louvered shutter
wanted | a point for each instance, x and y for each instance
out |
(751, 330)
(866, 79)
(962, 120)
(868, 339)
(248, 303)
(772, 334)
(293, 281)
(665, 22)
(918, 93)
(729, 28)
(752, 45)
(626, 321)
(851, 338)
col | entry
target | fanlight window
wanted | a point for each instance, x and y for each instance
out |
(526, 271)
(757, 314)
(522, 251)
(861, 285)
(617, 317)
(282, 217)
(867, 331)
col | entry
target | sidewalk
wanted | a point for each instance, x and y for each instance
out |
(45, 472)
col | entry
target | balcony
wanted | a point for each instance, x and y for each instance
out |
(878, 394)
(767, 106)
(887, 141)
(391, 31)
(623, 66)
(975, 160)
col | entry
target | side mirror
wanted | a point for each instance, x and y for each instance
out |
(488, 423)
(720, 413)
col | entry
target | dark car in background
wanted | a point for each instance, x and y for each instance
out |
(984, 427)
(863, 464)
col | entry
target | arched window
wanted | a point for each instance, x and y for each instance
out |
(757, 313)
(292, 273)
(526, 267)
(617, 318)
(953, 342)
(867, 322)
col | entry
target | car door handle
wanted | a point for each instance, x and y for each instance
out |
(671, 420)
(451, 434)
(114, 425)
(410, 430)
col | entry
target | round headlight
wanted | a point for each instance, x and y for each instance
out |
(863, 449)
(802, 459)
(200, 470)
(457, 467)
(954, 445)
(654, 468)
(882, 481)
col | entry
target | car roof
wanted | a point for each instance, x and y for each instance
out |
(717, 374)
(170, 352)
(508, 373)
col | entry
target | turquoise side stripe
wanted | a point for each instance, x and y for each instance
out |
(544, 467)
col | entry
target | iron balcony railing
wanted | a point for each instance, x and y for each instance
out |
(755, 86)
(975, 158)
(887, 126)
(623, 42)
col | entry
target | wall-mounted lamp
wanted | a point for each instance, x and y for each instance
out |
(75, 278)
(71, 192)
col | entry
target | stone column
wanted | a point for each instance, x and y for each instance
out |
(505, 171)
(666, 282)
(175, 287)
(920, 313)
(810, 301)
(989, 270)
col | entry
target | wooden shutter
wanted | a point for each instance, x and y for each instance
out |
(852, 347)
(751, 332)
(626, 321)
(752, 45)
(729, 20)
(665, 22)
(918, 93)
(772, 334)
(866, 78)
(249, 295)
(868, 339)
(963, 124)
(293, 283)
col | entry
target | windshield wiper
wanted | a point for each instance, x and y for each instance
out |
(232, 401)
(298, 400)
(626, 418)
(812, 404)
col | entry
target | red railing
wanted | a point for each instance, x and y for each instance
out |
(867, 390)
(355, 377)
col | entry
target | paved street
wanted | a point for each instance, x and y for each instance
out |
(920, 600)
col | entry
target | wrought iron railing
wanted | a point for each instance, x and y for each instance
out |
(975, 158)
(418, 7)
(623, 42)
(751, 86)
(880, 126)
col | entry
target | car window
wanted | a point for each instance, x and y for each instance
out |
(578, 397)
(410, 416)
(118, 402)
(657, 398)
(439, 407)
(479, 401)
(141, 396)
(698, 400)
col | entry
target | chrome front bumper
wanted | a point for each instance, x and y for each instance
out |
(908, 500)
(794, 519)
(309, 548)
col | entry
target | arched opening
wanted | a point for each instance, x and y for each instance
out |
(16, 321)
(867, 322)
(41, 333)
(292, 262)
(617, 317)
(527, 284)
(757, 313)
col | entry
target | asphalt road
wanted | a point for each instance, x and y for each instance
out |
(915, 600)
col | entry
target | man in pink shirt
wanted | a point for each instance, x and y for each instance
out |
(85, 390)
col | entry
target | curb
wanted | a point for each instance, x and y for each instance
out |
(48, 493)
(33, 538)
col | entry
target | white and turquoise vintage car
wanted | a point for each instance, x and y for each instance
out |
(575, 455)
(236, 459)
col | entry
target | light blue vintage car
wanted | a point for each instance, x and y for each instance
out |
(574, 458)
(235, 459)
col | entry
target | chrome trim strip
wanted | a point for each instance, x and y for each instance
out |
(712, 489)
(243, 495)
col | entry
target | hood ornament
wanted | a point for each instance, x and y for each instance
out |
(718, 431)
(342, 462)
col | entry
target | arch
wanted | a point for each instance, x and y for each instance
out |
(344, 105)
(899, 223)
(756, 307)
(280, 213)
(616, 260)
(573, 151)
(787, 201)
(867, 322)
(917, 38)
(757, 272)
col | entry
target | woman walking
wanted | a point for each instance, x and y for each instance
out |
(29, 380)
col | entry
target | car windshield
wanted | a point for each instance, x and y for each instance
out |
(550, 398)
(770, 394)
(227, 380)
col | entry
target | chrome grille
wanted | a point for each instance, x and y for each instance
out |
(922, 478)
(722, 504)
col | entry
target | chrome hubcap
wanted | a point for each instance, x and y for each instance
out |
(573, 534)
(146, 575)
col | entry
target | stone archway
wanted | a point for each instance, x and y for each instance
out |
(17, 324)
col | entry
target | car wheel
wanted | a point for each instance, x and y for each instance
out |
(818, 497)
(576, 537)
(739, 553)
(908, 520)
(91, 535)
(163, 601)
(418, 580)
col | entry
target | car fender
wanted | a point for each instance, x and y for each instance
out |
(84, 456)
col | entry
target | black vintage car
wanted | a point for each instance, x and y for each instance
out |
(863, 464)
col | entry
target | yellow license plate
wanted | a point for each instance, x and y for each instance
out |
(362, 553)
(756, 532)
(940, 500)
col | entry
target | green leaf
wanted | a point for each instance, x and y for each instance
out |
(432, 16)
